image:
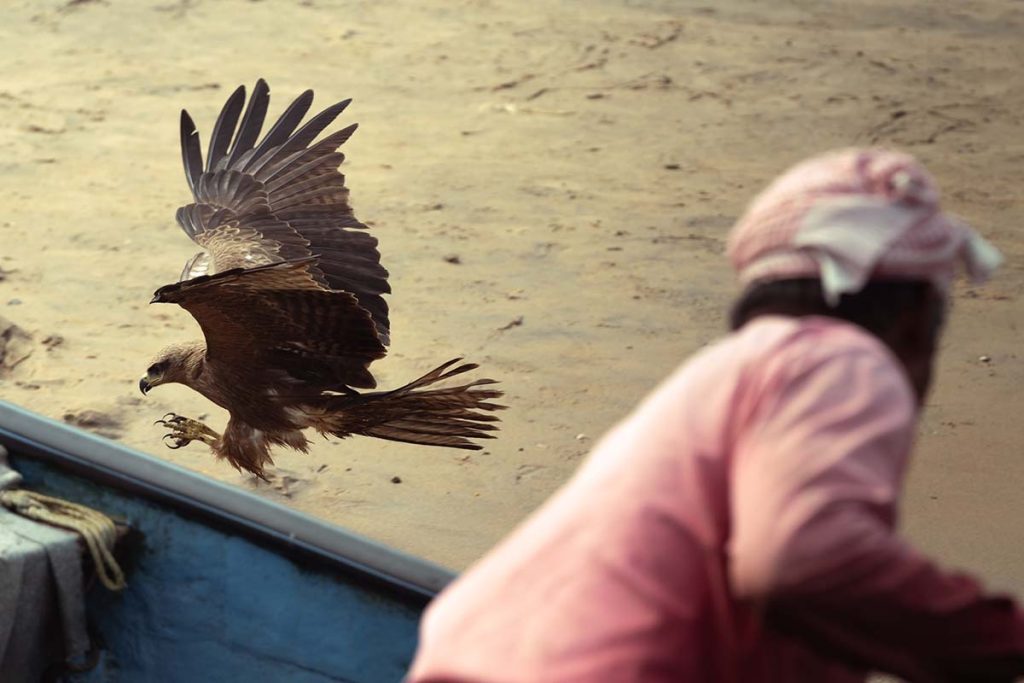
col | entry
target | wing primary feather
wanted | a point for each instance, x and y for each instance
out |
(314, 182)
(224, 129)
(302, 137)
(191, 154)
(310, 159)
(252, 122)
(316, 125)
(285, 125)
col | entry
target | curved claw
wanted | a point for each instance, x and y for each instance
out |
(178, 441)
(183, 431)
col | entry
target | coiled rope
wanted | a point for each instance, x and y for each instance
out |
(96, 528)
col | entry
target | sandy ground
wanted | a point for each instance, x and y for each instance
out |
(551, 183)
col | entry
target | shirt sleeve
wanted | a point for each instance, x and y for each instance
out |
(816, 473)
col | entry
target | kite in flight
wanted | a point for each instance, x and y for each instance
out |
(289, 295)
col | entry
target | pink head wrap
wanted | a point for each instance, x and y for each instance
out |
(853, 215)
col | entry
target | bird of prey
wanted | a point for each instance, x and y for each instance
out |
(288, 291)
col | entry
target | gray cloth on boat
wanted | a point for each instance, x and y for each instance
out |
(42, 597)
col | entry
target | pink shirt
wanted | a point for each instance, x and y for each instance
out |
(736, 527)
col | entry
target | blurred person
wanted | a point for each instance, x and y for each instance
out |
(739, 525)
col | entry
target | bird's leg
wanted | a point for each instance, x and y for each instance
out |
(185, 430)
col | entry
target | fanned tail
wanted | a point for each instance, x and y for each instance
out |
(446, 416)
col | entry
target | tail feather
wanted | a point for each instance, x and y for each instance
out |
(444, 416)
(384, 432)
(438, 374)
(428, 427)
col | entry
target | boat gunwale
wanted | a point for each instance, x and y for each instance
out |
(299, 535)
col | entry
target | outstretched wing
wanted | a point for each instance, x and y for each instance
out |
(278, 199)
(276, 317)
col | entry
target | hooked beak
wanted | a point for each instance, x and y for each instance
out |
(144, 386)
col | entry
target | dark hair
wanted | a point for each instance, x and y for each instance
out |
(877, 308)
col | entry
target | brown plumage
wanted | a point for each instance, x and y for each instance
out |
(289, 295)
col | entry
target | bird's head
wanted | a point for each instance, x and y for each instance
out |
(173, 364)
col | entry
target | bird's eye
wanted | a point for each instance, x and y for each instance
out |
(155, 369)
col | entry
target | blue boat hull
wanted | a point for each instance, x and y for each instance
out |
(224, 586)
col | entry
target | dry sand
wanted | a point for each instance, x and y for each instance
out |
(583, 162)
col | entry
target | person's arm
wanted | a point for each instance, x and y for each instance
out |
(816, 477)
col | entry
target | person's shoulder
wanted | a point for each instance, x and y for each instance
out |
(828, 348)
(818, 336)
(768, 339)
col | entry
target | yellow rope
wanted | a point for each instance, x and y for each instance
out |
(96, 528)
